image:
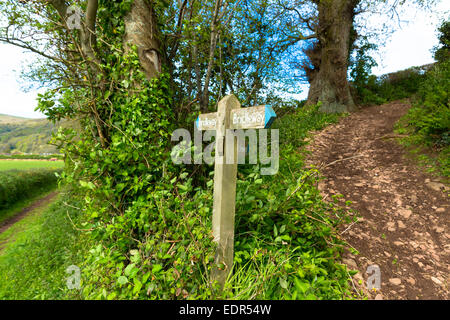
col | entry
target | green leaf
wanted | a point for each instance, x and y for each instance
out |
(137, 287)
(156, 268)
(122, 280)
(283, 283)
(184, 175)
(302, 286)
(128, 269)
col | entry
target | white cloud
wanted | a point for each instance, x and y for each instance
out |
(13, 99)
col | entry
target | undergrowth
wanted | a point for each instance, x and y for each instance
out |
(427, 123)
(286, 246)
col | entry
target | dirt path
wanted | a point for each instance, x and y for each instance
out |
(5, 225)
(404, 213)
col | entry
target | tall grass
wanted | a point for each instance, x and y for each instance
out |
(34, 265)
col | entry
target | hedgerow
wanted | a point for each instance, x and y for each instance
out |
(394, 86)
(428, 121)
(16, 185)
(286, 242)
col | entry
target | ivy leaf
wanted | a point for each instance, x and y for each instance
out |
(128, 269)
(283, 283)
(122, 280)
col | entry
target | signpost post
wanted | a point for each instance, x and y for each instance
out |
(229, 115)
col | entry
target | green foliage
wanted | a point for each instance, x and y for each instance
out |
(431, 116)
(130, 193)
(161, 247)
(34, 266)
(442, 52)
(399, 85)
(369, 89)
(295, 125)
(428, 121)
(147, 221)
(393, 86)
(360, 72)
(146, 217)
(284, 234)
(16, 185)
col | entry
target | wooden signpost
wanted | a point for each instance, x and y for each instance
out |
(229, 115)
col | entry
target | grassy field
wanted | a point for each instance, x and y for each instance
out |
(29, 164)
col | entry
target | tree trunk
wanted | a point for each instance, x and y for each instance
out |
(327, 73)
(141, 30)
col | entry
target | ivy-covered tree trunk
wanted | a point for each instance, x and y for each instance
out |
(327, 73)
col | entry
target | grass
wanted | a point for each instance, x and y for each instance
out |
(6, 165)
(38, 250)
(29, 223)
(433, 161)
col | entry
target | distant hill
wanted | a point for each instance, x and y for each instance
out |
(22, 135)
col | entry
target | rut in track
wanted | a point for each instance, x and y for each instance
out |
(404, 213)
(23, 213)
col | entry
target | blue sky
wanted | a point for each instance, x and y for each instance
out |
(408, 46)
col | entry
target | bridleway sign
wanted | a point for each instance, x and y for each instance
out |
(229, 115)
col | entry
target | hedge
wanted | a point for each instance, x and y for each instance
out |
(16, 185)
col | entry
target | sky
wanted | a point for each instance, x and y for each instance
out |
(410, 45)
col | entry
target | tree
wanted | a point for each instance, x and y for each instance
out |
(442, 52)
(329, 56)
(328, 26)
